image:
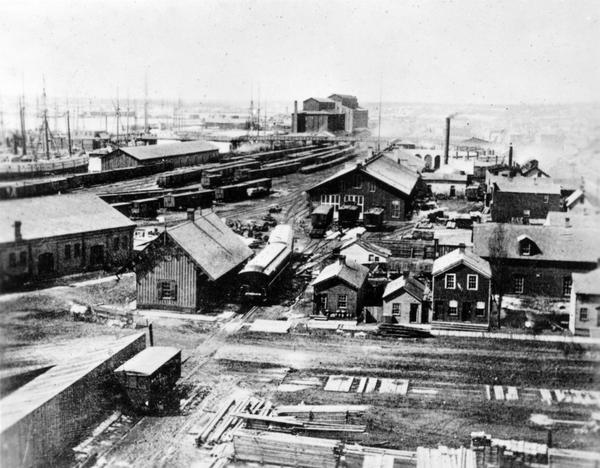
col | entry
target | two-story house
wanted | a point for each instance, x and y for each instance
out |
(584, 314)
(461, 290)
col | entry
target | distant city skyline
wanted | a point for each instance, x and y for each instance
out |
(463, 52)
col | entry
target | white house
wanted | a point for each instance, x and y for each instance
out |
(584, 313)
(365, 253)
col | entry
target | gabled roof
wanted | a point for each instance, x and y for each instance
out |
(318, 99)
(531, 169)
(147, 152)
(349, 272)
(464, 257)
(587, 283)
(411, 285)
(527, 185)
(58, 215)
(392, 174)
(211, 245)
(148, 361)
(555, 243)
(474, 141)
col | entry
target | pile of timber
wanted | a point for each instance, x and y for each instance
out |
(333, 414)
(220, 426)
(286, 449)
(460, 326)
(492, 452)
(400, 331)
(359, 456)
(446, 457)
(572, 458)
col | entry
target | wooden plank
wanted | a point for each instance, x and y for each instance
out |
(345, 384)
(386, 386)
(511, 393)
(402, 386)
(332, 384)
(546, 395)
(372, 382)
(361, 385)
(562, 396)
(488, 393)
(498, 392)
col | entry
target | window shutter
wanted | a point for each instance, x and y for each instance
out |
(159, 289)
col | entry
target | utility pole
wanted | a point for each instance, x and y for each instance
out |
(69, 134)
(379, 126)
(45, 124)
(22, 117)
(118, 113)
(146, 129)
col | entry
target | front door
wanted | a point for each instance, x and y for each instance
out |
(414, 309)
(467, 311)
(46, 263)
(97, 255)
(425, 312)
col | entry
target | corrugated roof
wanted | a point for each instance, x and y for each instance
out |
(58, 215)
(556, 243)
(527, 185)
(411, 285)
(349, 272)
(211, 244)
(458, 257)
(46, 386)
(587, 283)
(148, 361)
(168, 150)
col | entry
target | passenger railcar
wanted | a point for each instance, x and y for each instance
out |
(321, 219)
(262, 272)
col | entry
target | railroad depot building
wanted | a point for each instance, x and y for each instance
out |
(336, 113)
(406, 300)
(522, 199)
(584, 311)
(377, 183)
(461, 290)
(57, 235)
(339, 290)
(188, 153)
(188, 265)
(538, 260)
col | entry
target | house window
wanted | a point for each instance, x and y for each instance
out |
(167, 290)
(323, 302)
(396, 209)
(22, 258)
(77, 250)
(472, 282)
(519, 284)
(546, 198)
(372, 186)
(450, 281)
(342, 302)
(12, 260)
(567, 283)
(116, 243)
(526, 248)
(480, 309)
(333, 200)
(583, 314)
(371, 257)
(68, 251)
(453, 308)
(396, 308)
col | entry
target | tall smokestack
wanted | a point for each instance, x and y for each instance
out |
(510, 155)
(295, 118)
(447, 147)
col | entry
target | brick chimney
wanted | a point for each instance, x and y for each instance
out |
(295, 118)
(462, 247)
(191, 214)
(510, 155)
(342, 259)
(18, 236)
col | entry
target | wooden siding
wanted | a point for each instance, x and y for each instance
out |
(508, 207)
(405, 300)
(182, 271)
(333, 289)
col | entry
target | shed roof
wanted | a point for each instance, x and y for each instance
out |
(411, 285)
(58, 215)
(587, 283)
(555, 243)
(148, 361)
(527, 185)
(347, 271)
(147, 152)
(211, 244)
(458, 257)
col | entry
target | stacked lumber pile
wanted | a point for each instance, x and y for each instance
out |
(399, 331)
(507, 453)
(220, 426)
(334, 414)
(359, 456)
(572, 458)
(285, 449)
(446, 457)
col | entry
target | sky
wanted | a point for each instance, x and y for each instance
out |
(463, 51)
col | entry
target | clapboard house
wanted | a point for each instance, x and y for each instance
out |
(406, 300)
(584, 313)
(57, 235)
(376, 183)
(190, 265)
(538, 260)
(188, 153)
(461, 290)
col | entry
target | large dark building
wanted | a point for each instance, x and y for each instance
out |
(337, 113)
(520, 199)
(537, 260)
(179, 154)
(377, 183)
(57, 235)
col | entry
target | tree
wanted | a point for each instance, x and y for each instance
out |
(501, 279)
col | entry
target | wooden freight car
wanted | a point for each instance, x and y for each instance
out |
(194, 199)
(149, 376)
(373, 219)
(237, 192)
(225, 173)
(321, 219)
(180, 178)
(348, 215)
(145, 208)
